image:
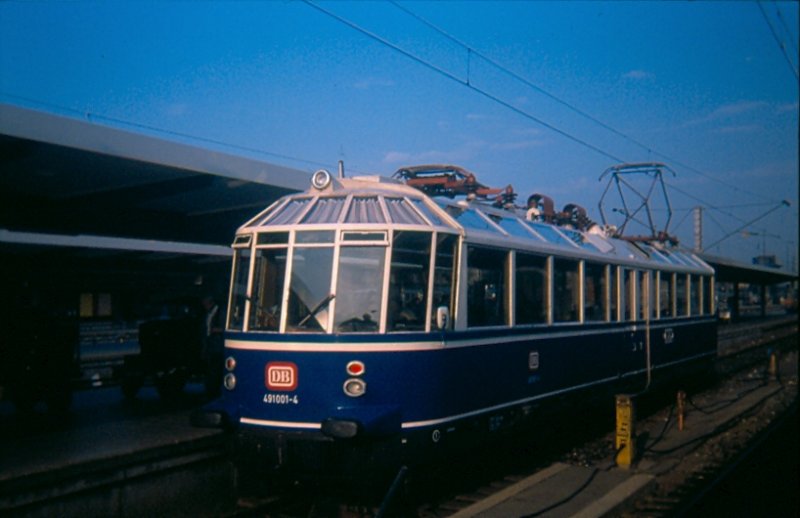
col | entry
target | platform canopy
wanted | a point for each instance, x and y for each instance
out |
(71, 177)
(728, 270)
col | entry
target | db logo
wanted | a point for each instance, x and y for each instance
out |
(280, 376)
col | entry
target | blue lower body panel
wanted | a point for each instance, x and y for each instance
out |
(289, 400)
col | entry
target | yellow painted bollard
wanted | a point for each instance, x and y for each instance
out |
(773, 366)
(681, 409)
(625, 443)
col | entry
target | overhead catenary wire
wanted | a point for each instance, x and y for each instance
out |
(471, 51)
(463, 82)
(706, 204)
(778, 41)
(472, 54)
(747, 224)
(470, 85)
(785, 28)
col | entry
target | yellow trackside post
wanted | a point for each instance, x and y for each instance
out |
(773, 366)
(681, 404)
(625, 443)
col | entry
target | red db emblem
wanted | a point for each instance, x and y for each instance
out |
(280, 376)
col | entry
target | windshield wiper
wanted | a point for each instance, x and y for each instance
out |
(254, 302)
(319, 307)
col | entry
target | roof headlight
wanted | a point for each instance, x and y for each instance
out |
(321, 179)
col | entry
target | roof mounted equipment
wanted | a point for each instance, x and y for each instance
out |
(639, 202)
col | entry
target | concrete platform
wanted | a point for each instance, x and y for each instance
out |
(110, 457)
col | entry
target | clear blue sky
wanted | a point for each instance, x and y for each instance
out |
(701, 86)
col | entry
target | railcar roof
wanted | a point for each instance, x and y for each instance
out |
(378, 201)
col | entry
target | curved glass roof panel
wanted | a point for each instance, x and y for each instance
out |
(686, 258)
(655, 254)
(514, 228)
(600, 243)
(427, 212)
(672, 258)
(326, 210)
(365, 210)
(578, 239)
(401, 212)
(550, 234)
(635, 251)
(290, 212)
(469, 219)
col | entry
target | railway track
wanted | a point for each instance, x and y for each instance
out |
(723, 449)
(445, 490)
(680, 499)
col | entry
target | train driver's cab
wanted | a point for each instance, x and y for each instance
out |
(342, 262)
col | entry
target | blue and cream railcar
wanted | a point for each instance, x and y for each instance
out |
(365, 312)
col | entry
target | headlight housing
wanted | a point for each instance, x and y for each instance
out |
(355, 387)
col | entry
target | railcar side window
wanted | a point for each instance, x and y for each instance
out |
(629, 281)
(595, 287)
(624, 294)
(309, 289)
(444, 275)
(645, 294)
(665, 294)
(408, 281)
(241, 270)
(486, 286)
(694, 295)
(681, 295)
(613, 285)
(708, 295)
(566, 283)
(531, 289)
(269, 272)
(359, 289)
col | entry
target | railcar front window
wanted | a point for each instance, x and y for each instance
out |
(241, 270)
(408, 282)
(359, 289)
(310, 285)
(269, 273)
